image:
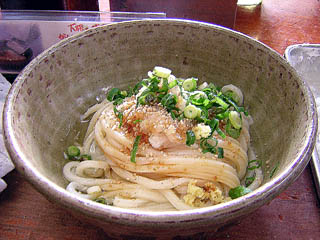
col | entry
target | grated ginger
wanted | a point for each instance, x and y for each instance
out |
(199, 196)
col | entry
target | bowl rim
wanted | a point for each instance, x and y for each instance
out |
(217, 213)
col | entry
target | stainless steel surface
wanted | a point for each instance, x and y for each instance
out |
(305, 58)
(315, 168)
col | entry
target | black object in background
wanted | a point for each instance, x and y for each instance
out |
(32, 4)
(70, 5)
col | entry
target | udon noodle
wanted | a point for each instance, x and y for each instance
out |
(145, 151)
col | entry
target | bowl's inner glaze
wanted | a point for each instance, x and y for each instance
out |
(61, 84)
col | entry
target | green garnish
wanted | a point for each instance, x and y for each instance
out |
(220, 152)
(249, 180)
(113, 94)
(135, 149)
(235, 119)
(231, 131)
(238, 192)
(161, 72)
(169, 102)
(100, 200)
(218, 108)
(137, 121)
(191, 138)
(219, 131)
(208, 147)
(191, 111)
(147, 98)
(274, 169)
(222, 103)
(119, 115)
(116, 96)
(173, 84)
(73, 152)
(253, 164)
(189, 84)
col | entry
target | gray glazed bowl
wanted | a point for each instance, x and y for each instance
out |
(42, 112)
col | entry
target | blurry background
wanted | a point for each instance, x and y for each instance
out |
(221, 12)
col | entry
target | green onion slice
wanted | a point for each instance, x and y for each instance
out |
(235, 119)
(119, 115)
(233, 92)
(208, 147)
(221, 133)
(189, 84)
(135, 149)
(222, 103)
(173, 84)
(220, 152)
(232, 132)
(137, 121)
(73, 151)
(238, 192)
(161, 72)
(113, 94)
(249, 180)
(274, 170)
(191, 138)
(191, 111)
(169, 101)
(253, 164)
(85, 157)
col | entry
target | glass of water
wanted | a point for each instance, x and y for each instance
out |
(249, 2)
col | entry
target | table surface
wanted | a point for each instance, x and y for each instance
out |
(294, 214)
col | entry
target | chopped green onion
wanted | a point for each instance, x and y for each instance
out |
(207, 147)
(235, 119)
(189, 84)
(222, 103)
(232, 132)
(113, 94)
(119, 115)
(85, 157)
(165, 86)
(102, 200)
(203, 86)
(207, 104)
(124, 93)
(191, 111)
(73, 152)
(200, 98)
(249, 180)
(173, 84)
(251, 166)
(221, 133)
(161, 72)
(223, 115)
(118, 101)
(169, 101)
(274, 170)
(238, 192)
(135, 149)
(137, 121)
(191, 138)
(147, 98)
(214, 124)
(220, 152)
(233, 92)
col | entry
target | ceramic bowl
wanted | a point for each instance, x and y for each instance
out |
(43, 109)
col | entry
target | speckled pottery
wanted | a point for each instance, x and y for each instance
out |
(43, 109)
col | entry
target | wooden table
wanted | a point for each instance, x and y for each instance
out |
(295, 214)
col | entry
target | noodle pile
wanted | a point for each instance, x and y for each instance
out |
(165, 174)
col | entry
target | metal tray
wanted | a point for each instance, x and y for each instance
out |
(305, 58)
